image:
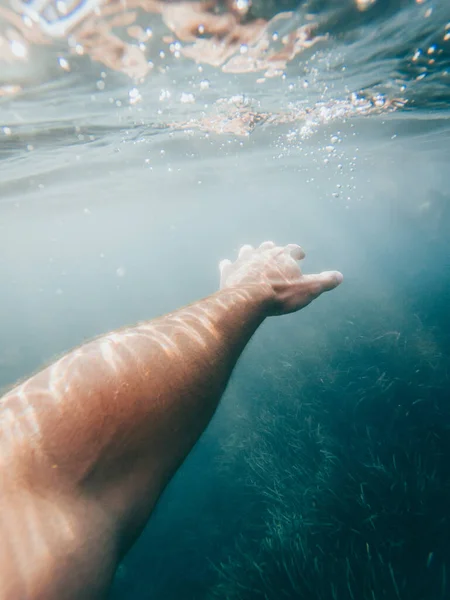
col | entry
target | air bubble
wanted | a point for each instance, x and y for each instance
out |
(18, 49)
(63, 64)
(134, 96)
(187, 98)
(164, 95)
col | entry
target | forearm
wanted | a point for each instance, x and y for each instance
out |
(143, 393)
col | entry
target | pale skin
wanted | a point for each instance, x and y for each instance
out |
(88, 444)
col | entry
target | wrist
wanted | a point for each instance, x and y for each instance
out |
(258, 298)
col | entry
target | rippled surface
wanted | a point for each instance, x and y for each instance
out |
(110, 77)
(149, 67)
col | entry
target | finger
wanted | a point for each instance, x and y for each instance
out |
(295, 251)
(323, 282)
(224, 264)
(267, 246)
(245, 250)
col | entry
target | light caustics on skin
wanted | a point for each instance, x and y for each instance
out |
(64, 396)
(28, 525)
(28, 530)
(22, 409)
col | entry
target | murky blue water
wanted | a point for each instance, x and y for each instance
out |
(324, 474)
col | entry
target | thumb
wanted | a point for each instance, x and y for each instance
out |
(323, 282)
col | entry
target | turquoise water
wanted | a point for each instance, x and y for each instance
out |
(324, 474)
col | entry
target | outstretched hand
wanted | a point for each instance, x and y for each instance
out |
(276, 269)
